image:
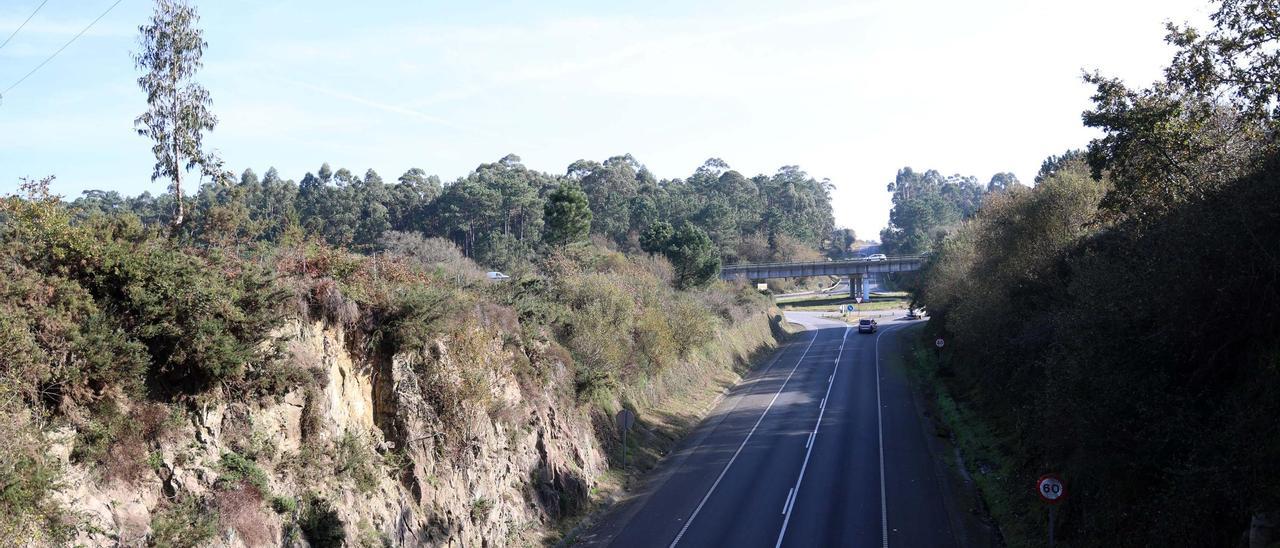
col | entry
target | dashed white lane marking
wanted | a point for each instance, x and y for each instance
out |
(812, 436)
(744, 440)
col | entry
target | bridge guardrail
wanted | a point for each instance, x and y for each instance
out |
(745, 266)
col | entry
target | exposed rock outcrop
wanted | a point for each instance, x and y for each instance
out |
(499, 467)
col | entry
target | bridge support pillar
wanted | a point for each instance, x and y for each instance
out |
(858, 286)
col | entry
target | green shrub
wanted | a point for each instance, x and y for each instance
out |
(373, 538)
(29, 515)
(199, 316)
(599, 330)
(357, 460)
(480, 509)
(655, 339)
(321, 525)
(187, 523)
(284, 505)
(43, 317)
(155, 461)
(104, 437)
(236, 469)
(452, 392)
(691, 325)
(418, 314)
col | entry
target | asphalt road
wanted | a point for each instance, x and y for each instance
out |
(798, 454)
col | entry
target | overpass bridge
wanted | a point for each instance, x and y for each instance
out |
(858, 270)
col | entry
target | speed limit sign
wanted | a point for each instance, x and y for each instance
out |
(939, 343)
(1051, 489)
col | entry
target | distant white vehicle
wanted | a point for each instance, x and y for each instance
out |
(877, 257)
(497, 276)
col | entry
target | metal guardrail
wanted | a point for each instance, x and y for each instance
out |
(747, 266)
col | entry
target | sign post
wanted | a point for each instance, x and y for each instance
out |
(626, 418)
(1051, 491)
(938, 353)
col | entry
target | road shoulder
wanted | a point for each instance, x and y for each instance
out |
(965, 509)
(612, 515)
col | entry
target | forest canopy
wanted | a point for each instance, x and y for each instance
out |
(495, 214)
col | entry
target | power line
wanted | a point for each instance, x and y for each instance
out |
(24, 23)
(64, 46)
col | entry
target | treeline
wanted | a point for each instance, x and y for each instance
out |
(495, 214)
(109, 324)
(1119, 324)
(112, 318)
(926, 205)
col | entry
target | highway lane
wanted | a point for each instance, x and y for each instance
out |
(755, 473)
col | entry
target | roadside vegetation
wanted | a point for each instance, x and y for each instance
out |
(116, 328)
(989, 458)
(122, 317)
(1117, 324)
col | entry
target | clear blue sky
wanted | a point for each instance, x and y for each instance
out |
(849, 91)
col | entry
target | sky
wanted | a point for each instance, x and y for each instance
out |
(848, 91)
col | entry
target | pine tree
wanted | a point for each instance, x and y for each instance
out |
(567, 215)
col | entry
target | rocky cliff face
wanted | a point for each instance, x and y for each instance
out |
(442, 447)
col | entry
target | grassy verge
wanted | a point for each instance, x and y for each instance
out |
(986, 455)
(825, 303)
(670, 405)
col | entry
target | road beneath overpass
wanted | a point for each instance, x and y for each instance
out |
(822, 447)
(858, 271)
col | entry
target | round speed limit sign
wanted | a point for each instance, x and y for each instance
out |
(1051, 489)
(939, 343)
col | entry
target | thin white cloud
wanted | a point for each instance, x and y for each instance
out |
(673, 43)
(396, 109)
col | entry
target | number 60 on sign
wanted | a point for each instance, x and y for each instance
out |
(1051, 489)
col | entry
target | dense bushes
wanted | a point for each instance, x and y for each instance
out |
(1138, 358)
(119, 328)
(624, 323)
(1134, 345)
(97, 317)
(101, 292)
(27, 476)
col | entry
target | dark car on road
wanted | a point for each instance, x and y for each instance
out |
(866, 326)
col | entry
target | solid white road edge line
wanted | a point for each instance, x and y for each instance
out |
(786, 503)
(786, 520)
(884, 509)
(744, 440)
